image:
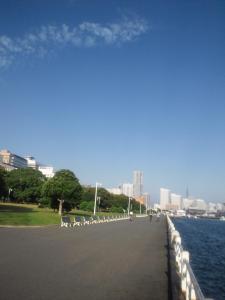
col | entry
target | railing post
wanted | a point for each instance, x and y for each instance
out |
(185, 280)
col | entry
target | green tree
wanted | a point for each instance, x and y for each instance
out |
(3, 184)
(88, 194)
(87, 205)
(63, 187)
(25, 184)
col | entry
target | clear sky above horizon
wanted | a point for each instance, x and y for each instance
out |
(107, 87)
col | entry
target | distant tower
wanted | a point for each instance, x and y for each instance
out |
(138, 183)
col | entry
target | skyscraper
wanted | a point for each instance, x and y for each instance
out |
(147, 200)
(164, 198)
(127, 189)
(175, 201)
(138, 183)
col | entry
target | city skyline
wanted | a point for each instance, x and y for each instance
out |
(107, 88)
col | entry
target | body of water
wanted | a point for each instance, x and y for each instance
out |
(205, 240)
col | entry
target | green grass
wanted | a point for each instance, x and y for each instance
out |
(30, 214)
(26, 214)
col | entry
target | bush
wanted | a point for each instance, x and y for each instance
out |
(116, 209)
(87, 205)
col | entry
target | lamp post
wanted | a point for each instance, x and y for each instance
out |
(10, 190)
(96, 195)
(146, 204)
(128, 210)
(99, 202)
(140, 207)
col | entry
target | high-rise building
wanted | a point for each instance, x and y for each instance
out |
(138, 183)
(127, 189)
(164, 198)
(175, 201)
(13, 160)
(147, 200)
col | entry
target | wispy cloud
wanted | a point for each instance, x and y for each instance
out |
(51, 37)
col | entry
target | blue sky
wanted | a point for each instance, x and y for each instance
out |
(107, 87)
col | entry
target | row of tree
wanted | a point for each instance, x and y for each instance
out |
(63, 191)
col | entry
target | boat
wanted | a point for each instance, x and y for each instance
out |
(222, 218)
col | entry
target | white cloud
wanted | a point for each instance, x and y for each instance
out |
(86, 34)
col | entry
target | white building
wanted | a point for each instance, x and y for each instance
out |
(31, 162)
(48, 171)
(199, 204)
(12, 159)
(156, 206)
(164, 198)
(115, 191)
(186, 203)
(175, 201)
(219, 206)
(138, 177)
(147, 200)
(127, 189)
(212, 208)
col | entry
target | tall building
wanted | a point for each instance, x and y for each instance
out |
(164, 198)
(127, 189)
(12, 159)
(146, 200)
(138, 183)
(175, 201)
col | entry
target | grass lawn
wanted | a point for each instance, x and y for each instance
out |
(26, 214)
(30, 214)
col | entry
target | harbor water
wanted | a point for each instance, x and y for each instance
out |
(205, 240)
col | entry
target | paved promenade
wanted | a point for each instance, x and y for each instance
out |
(118, 260)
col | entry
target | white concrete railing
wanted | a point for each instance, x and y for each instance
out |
(189, 285)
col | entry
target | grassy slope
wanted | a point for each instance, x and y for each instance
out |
(26, 214)
(30, 214)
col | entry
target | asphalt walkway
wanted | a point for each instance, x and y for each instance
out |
(118, 260)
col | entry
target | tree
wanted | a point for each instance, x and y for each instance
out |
(3, 184)
(87, 205)
(25, 184)
(63, 187)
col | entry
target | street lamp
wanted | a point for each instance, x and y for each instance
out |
(10, 190)
(99, 202)
(96, 195)
(146, 204)
(128, 210)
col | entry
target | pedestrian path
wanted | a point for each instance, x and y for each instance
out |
(117, 260)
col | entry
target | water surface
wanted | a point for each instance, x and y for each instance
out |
(205, 240)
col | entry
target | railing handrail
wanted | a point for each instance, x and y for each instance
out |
(189, 283)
